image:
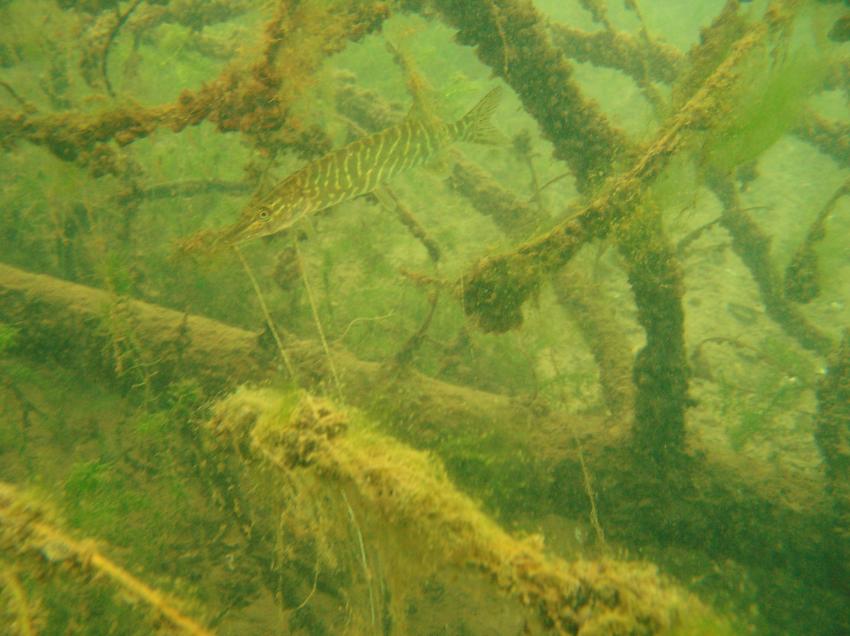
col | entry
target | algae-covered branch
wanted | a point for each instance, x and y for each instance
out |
(359, 317)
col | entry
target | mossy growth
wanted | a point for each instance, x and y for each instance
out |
(495, 292)
(14, 403)
(8, 337)
(402, 509)
(802, 276)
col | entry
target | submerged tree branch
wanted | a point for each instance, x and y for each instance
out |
(496, 288)
(753, 247)
(253, 98)
(407, 492)
(510, 37)
(64, 321)
(24, 531)
(620, 50)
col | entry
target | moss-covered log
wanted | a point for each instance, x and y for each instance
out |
(510, 37)
(250, 96)
(661, 368)
(69, 323)
(753, 247)
(832, 432)
(414, 521)
(496, 288)
(62, 322)
(620, 50)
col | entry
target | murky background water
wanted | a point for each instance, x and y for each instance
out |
(590, 378)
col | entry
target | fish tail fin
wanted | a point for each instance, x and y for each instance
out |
(475, 126)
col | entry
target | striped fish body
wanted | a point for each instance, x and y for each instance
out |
(360, 167)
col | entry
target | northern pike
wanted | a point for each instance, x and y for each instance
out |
(361, 167)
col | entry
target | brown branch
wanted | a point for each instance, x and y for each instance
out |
(621, 51)
(409, 494)
(830, 137)
(515, 217)
(713, 47)
(753, 247)
(510, 37)
(25, 532)
(252, 98)
(193, 14)
(61, 320)
(832, 433)
(802, 276)
(661, 372)
(496, 288)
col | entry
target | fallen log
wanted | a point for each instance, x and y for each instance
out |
(70, 323)
(63, 322)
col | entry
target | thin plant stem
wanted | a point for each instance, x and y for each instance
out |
(264, 308)
(316, 320)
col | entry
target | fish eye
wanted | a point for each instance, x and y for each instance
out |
(263, 214)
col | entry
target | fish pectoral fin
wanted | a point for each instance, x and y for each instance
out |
(386, 198)
(442, 163)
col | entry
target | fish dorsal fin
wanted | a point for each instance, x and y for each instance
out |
(476, 127)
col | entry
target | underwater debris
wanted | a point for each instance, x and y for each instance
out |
(404, 497)
(702, 60)
(832, 433)
(457, 422)
(802, 278)
(753, 247)
(497, 287)
(510, 37)
(620, 50)
(514, 216)
(661, 373)
(48, 311)
(251, 97)
(25, 531)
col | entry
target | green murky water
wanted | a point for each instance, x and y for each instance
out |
(591, 377)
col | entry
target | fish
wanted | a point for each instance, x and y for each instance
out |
(361, 167)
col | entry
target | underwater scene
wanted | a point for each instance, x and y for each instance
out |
(425, 317)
